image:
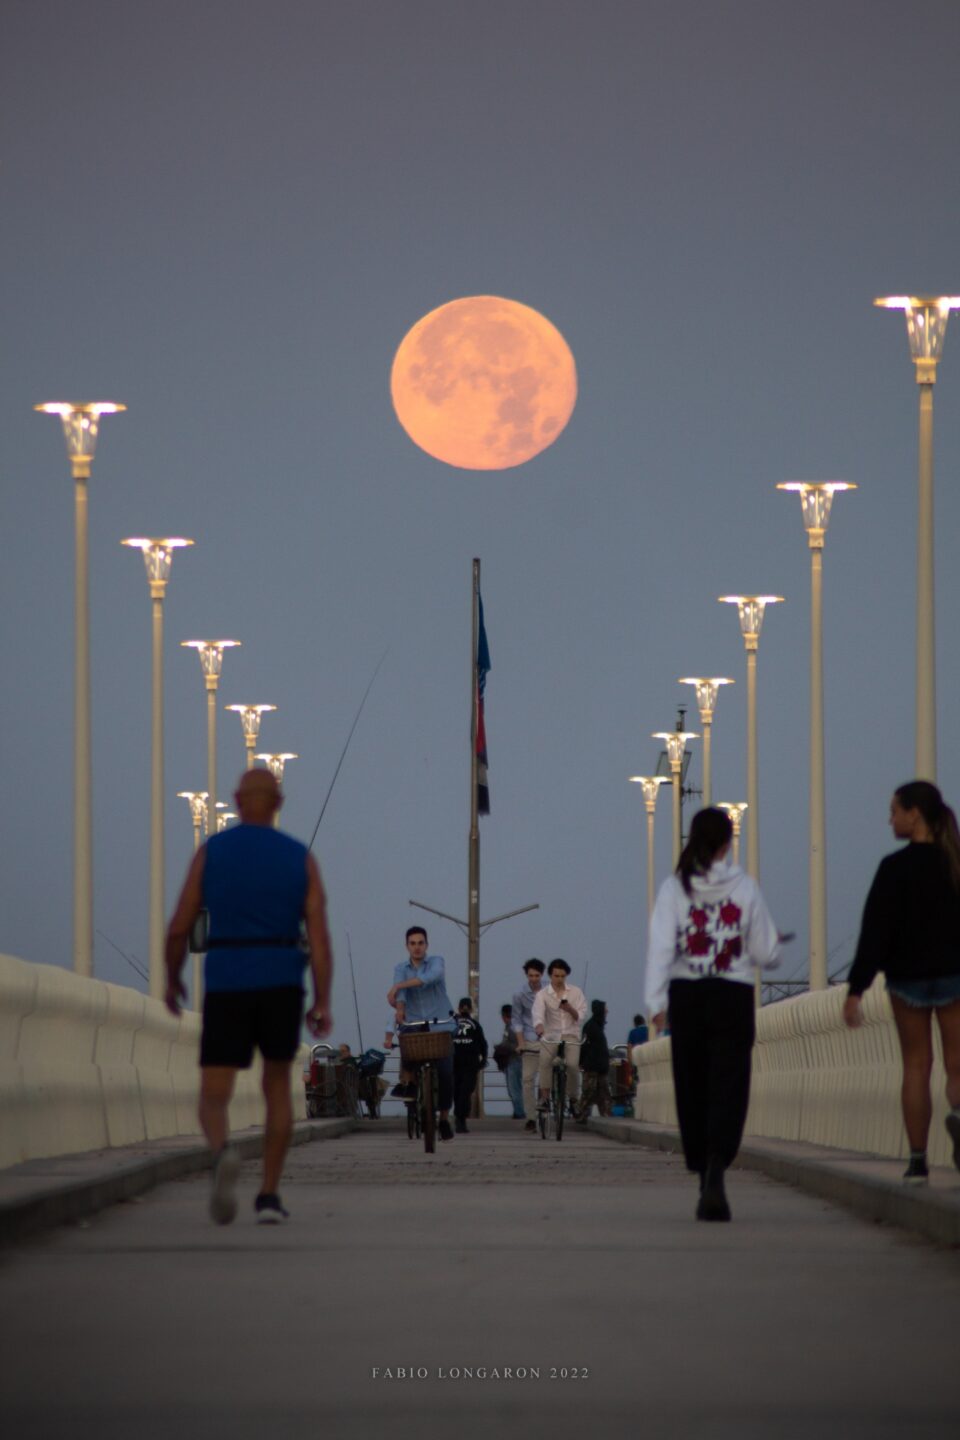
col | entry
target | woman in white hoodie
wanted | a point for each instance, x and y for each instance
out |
(709, 932)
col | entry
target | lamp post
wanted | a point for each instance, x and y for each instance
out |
(81, 424)
(706, 691)
(736, 811)
(816, 499)
(250, 720)
(158, 558)
(751, 609)
(675, 741)
(224, 818)
(211, 662)
(651, 787)
(927, 317)
(276, 763)
(198, 813)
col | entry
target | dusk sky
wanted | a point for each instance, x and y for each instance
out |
(227, 216)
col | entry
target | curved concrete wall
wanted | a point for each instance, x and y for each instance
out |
(814, 1080)
(85, 1065)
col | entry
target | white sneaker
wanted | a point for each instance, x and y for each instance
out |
(226, 1172)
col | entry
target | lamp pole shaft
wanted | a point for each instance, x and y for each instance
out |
(650, 864)
(251, 747)
(677, 770)
(736, 844)
(212, 760)
(926, 753)
(197, 959)
(753, 835)
(82, 779)
(818, 838)
(156, 809)
(707, 764)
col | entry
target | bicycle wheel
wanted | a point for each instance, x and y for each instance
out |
(427, 1099)
(559, 1097)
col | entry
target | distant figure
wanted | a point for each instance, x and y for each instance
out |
(595, 1064)
(257, 884)
(639, 1035)
(469, 1058)
(709, 932)
(558, 1012)
(343, 1051)
(506, 1053)
(911, 931)
(420, 1001)
(528, 1041)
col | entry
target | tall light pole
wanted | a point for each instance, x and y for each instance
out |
(651, 786)
(751, 609)
(81, 424)
(816, 499)
(706, 691)
(198, 813)
(675, 741)
(250, 720)
(276, 764)
(211, 663)
(927, 317)
(158, 558)
(224, 818)
(736, 811)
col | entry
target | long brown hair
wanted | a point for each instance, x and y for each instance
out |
(710, 830)
(923, 796)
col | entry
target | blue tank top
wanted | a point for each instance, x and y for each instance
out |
(254, 887)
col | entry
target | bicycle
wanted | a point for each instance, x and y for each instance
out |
(550, 1117)
(419, 1051)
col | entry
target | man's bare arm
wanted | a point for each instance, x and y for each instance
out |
(178, 932)
(319, 1018)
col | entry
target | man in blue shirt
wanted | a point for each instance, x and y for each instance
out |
(639, 1034)
(419, 994)
(257, 884)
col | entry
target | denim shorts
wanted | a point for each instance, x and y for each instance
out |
(926, 994)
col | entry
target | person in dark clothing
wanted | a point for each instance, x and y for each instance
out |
(911, 931)
(469, 1058)
(595, 1064)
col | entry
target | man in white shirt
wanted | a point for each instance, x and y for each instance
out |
(558, 1012)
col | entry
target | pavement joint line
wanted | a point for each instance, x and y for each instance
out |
(840, 1176)
(74, 1199)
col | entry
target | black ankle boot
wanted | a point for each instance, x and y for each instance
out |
(713, 1198)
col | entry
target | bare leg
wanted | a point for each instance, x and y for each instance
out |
(216, 1089)
(279, 1124)
(948, 1018)
(914, 1031)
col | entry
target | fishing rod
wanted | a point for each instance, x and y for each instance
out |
(346, 747)
(353, 982)
(142, 973)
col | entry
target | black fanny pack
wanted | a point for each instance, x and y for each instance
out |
(254, 942)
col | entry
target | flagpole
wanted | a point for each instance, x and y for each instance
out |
(473, 863)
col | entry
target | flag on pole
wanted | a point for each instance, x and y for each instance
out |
(483, 665)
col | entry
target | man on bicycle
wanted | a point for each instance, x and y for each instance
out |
(419, 998)
(558, 1010)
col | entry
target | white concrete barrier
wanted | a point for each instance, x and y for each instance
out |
(814, 1080)
(85, 1065)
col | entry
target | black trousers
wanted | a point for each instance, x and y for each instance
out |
(464, 1083)
(711, 1039)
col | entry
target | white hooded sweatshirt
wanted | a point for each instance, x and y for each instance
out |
(722, 928)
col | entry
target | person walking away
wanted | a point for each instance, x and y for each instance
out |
(911, 931)
(420, 1001)
(595, 1064)
(506, 1053)
(709, 932)
(528, 1043)
(257, 884)
(558, 1012)
(469, 1058)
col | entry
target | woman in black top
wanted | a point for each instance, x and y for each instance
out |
(911, 931)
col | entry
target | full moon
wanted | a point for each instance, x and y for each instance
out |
(483, 383)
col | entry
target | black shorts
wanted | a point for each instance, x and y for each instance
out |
(235, 1022)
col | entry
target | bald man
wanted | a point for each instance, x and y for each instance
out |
(257, 884)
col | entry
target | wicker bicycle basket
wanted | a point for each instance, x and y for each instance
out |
(422, 1045)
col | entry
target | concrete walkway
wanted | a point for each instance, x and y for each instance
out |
(522, 1286)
